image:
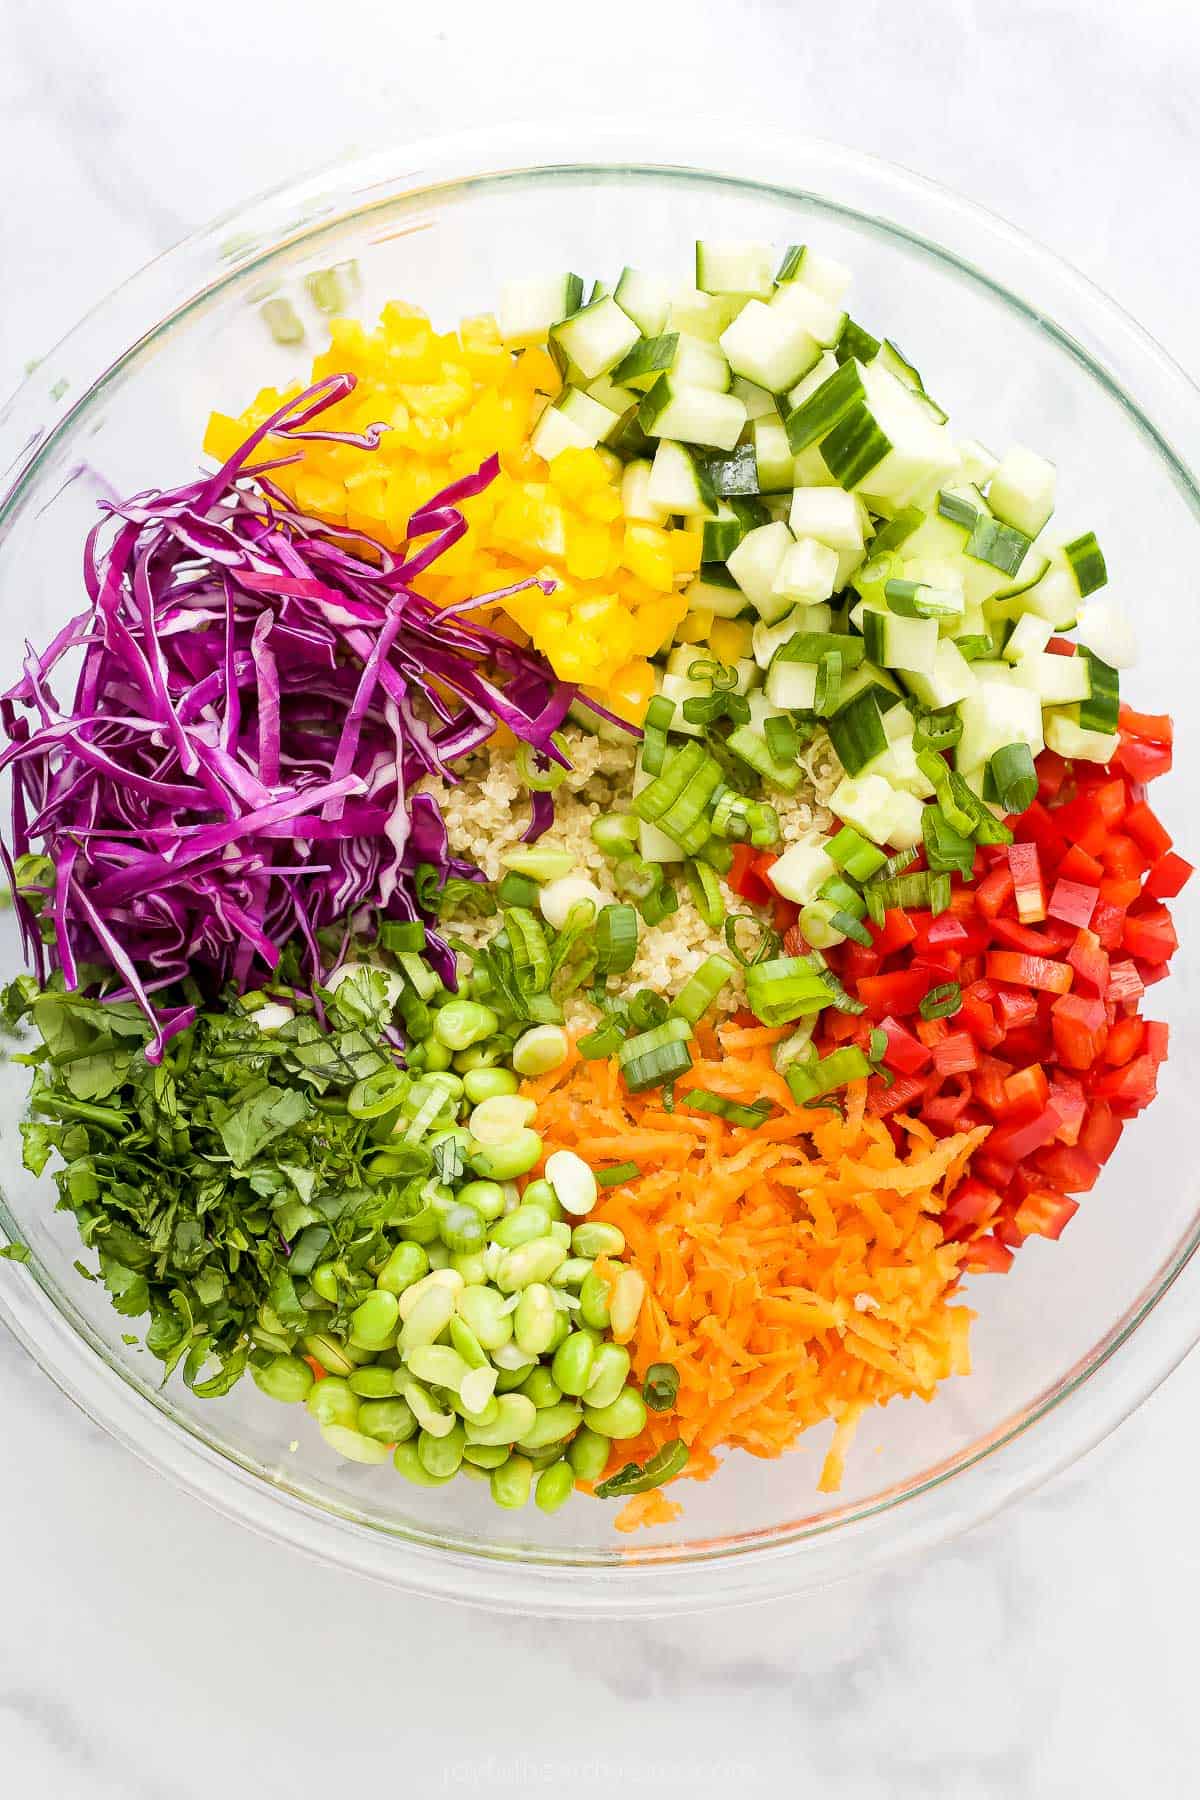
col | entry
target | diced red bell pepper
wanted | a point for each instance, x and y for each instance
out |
(856, 960)
(900, 992)
(1145, 825)
(1080, 1030)
(976, 1016)
(994, 891)
(1044, 1212)
(1026, 1092)
(931, 1032)
(1016, 1010)
(1125, 1038)
(1067, 1166)
(1028, 891)
(1046, 939)
(971, 1205)
(905, 1053)
(1012, 1143)
(1125, 985)
(1041, 825)
(1157, 728)
(1052, 772)
(902, 1093)
(1108, 923)
(896, 932)
(956, 1054)
(944, 932)
(1168, 877)
(1077, 865)
(1073, 902)
(947, 1108)
(1101, 1132)
(1141, 761)
(1149, 935)
(1120, 890)
(1029, 971)
(1124, 859)
(1069, 1102)
(987, 1256)
(1089, 959)
(745, 877)
(1157, 1035)
(784, 914)
(1135, 1085)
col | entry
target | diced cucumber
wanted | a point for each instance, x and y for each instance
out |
(679, 482)
(635, 495)
(762, 709)
(1054, 598)
(734, 472)
(773, 458)
(822, 274)
(989, 670)
(899, 767)
(593, 722)
(879, 811)
(1107, 633)
(694, 415)
(770, 638)
(887, 445)
(803, 869)
(950, 681)
(647, 360)
(821, 320)
(890, 357)
(994, 716)
(808, 572)
(1065, 735)
(1022, 490)
(809, 471)
(898, 723)
(576, 422)
(1029, 637)
(734, 518)
(646, 298)
(735, 268)
(792, 685)
(975, 462)
(530, 305)
(817, 376)
(830, 515)
(701, 315)
(597, 337)
(770, 347)
(619, 400)
(755, 564)
(697, 363)
(910, 645)
(1056, 680)
(759, 404)
(715, 591)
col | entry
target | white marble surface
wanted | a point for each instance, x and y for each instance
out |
(150, 1649)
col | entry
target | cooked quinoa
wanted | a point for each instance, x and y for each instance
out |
(487, 811)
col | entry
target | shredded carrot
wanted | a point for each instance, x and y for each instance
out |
(647, 1509)
(796, 1273)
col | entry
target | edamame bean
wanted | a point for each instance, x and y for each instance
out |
(540, 1193)
(541, 1459)
(463, 1229)
(515, 1416)
(541, 1387)
(540, 1049)
(512, 1481)
(438, 1364)
(391, 1421)
(487, 1084)
(551, 1423)
(610, 1367)
(508, 1381)
(285, 1378)
(588, 1454)
(420, 1227)
(373, 1323)
(424, 1411)
(535, 1261)
(408, 1463)
(441, 1456)
(355, 1446)
(562, 1330)
(625, 1304)
(479, 1056)
(593, 1301)
(498, 1121)
(324, 1281)
(372, 1383)
(504, 1162)
(572, 1181)
(560, 1231)
(520, 1227)
(487, 1197)
(482, 1310)
(467, 1344)
(533, 1321)
(435, 1056)
(439, 1256)
(477, 1393)
(331, 1402)
(461, 1023)
(332, 1356)
(406, 1264)
(573, 1273)
(486, 1456)
(554, 1487)
(572, 1365)
(595, 1238)
(470, 1265)
(623, 1417)
(448, 1279)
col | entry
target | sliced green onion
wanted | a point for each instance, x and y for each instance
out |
(701, 989)
(974, 646)
(945, 848)
(719, 675)
(677, 799)
(657, 1068)
(606, 1040)
(765, 943)
(647, 1009)
(660, 1387)
(936, 769)
(540, 864)
(530, 951)
(941, 1002)
(635, 877)
(517, 890)
(937, 731)
(1015, 777)
(736, 817)
(748, 1117)
(856, 854)
(660, 904)
(894, 865)
(827, 693)
(397, 935)
(850, 926)
(658, 718)
(785, 988)
(831, 1073)
(842, 895)
(619, 1173)
(783, 740)
(282, 320)
(877, 1045)
(939, 894)
(639, 1478)
(839, 999)
(985, 827)
(616, 940)
(751, 747)
(526, 760)
(668, 1031)
(706, 894)
(616, 834)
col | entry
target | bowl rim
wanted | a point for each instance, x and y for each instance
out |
(1117, 352)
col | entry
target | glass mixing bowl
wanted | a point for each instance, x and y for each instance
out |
(1021, 349)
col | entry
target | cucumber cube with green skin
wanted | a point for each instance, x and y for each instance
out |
(808, 572)
(755, 564)
(823, 321)
(531, 304)
(646, 298)
(1056, 680)
(735, 268)
(636, 503)
(696, 363)
(994, 716)
(1069, 739)
(693, 415)
(597, 337)
(769, 347)
(715, 591)
(876, 809)
(1022, 490)
(803, 869)
(679, 481)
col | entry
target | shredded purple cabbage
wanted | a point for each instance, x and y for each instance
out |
(259, 694)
